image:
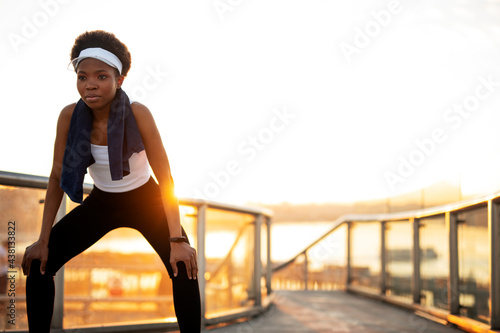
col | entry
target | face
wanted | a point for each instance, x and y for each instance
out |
(97, 83)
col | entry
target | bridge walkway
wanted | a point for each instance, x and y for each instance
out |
(333, 311)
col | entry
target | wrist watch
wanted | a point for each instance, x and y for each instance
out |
(177, 239)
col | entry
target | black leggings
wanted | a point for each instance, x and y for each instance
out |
(101, 212)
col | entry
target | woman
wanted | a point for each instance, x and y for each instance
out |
(117, 141)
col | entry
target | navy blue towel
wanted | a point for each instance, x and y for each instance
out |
(124, 139)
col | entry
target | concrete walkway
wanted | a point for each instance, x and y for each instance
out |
(335, 311)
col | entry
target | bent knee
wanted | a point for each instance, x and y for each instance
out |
(35, 270)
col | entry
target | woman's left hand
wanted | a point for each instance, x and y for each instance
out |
(187, 254)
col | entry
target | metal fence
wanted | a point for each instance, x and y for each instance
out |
(120, 284)
(443, 262)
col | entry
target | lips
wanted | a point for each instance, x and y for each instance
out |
(92, 98)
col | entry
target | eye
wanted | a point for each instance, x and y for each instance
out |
(81, 77)
(103, 77)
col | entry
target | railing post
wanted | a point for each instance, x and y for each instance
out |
(57, 318)
(269, 268)
(306, 263)
(453, 293)
(348, 254)
(383, 258)
(200, 234)
(415, 281)
(257, 268)
(494, 233)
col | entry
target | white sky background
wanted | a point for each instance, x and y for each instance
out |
(220, 77)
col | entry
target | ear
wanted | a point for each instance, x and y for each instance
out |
(119, 81)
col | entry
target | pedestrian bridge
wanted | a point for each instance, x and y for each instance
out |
(431, 270)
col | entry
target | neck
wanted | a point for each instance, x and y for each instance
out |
(101, 114)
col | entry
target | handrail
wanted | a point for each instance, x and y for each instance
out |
(227, 207)
(33, 181)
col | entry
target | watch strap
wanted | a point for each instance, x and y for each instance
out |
(180, 239)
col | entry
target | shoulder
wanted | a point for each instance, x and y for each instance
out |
(142, 115)
(146, 125)
(63, 128)
(68, 109)
(140, 110)
(66, 114)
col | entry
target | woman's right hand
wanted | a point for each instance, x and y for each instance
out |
(37, 250)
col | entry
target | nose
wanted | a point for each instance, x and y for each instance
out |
(91, 84)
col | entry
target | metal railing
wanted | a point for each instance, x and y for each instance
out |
(443, 261)
(108, 296)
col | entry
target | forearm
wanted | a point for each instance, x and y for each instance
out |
(171, 206)
(53, 199)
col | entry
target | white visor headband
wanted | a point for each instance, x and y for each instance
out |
(99, 54)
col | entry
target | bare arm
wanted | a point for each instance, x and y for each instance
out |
(53, 196)
(159, 163)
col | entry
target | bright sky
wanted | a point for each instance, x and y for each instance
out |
(273, 101)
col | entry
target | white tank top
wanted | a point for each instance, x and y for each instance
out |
(101, 174)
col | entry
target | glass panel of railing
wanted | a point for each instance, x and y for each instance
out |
(327, 262)
(399, 267)
(229, 260)
(120, 279)
(292, 276)
(365, 255)
(434, 262)
(21, 217)
(473, 264)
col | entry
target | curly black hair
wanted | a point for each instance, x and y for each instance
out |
(104, 40)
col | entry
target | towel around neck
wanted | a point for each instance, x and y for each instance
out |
(124, 139)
